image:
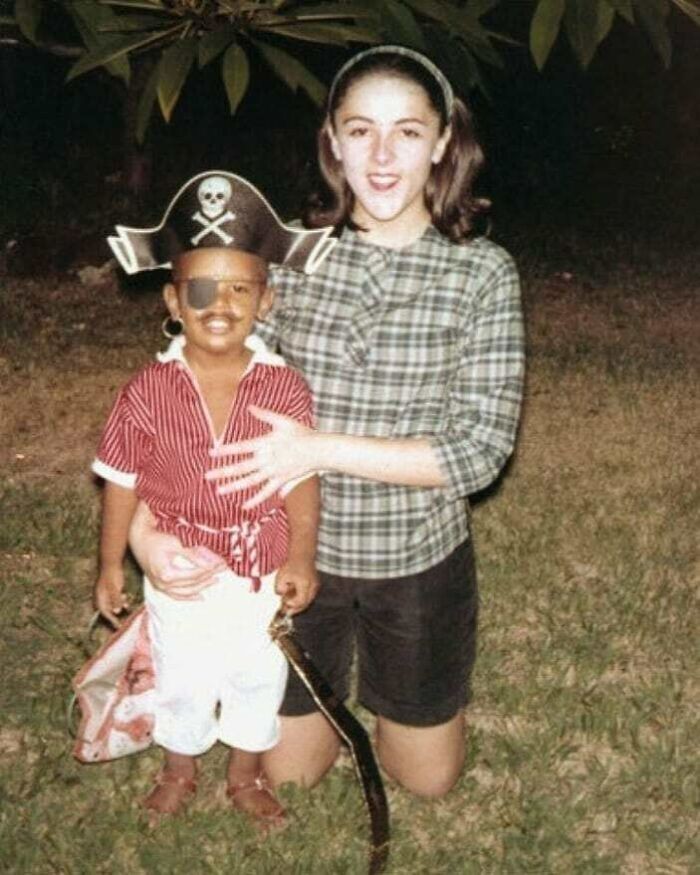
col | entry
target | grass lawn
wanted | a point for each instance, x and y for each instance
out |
(584, 728)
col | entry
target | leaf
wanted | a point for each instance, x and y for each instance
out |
(328, 11)
(460, 23)
(544, 29)
(464, 21)
(212, 44)
(690, 8)
(90, 18)
(623, 8)
(401, 25)
(482, 7)
(151, 5)
(236, 75)
(587, 23)
(292, 72)
(330, 34)
(146, 104)
(131, 22)
(433, 9)
(115, 48)
(476, 9)
(457, 62)
(652, 14)
(483, 50)
(27, 17)
(173, 69)
(94, 18)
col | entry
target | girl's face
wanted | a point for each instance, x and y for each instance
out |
(387, 136)
(218, 294)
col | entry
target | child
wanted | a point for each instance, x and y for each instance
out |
(217, 676)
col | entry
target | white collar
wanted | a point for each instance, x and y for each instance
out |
(261, 354)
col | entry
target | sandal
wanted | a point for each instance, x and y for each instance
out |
(177, 794)
(257, 800)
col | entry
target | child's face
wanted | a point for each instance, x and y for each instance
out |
(218, 294)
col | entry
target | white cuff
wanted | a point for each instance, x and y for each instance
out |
(121, 478)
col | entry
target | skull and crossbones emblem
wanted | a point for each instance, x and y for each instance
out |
(213, 194)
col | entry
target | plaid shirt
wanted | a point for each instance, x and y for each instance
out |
(424, 341)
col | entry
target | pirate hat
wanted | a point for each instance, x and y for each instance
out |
(220, 209)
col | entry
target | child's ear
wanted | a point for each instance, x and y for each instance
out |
(171, 300)
(267, 299)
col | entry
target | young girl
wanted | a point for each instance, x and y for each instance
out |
(218, 676)
(411, 338)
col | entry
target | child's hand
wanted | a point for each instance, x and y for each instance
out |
(297, 584)
(110, 599)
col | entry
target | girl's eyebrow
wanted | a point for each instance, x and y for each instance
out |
(400, 121)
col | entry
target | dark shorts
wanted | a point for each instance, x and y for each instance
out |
(415, 638)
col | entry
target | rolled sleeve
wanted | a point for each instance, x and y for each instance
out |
(113, 475)
(485, 394)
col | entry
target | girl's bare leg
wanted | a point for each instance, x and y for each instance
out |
(427, 761)
(307, 749)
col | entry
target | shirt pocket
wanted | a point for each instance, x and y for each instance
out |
(416, 357)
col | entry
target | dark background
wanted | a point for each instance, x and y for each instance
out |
(574, 158)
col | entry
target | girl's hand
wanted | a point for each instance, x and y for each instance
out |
(297, 584)
(179, 572)
(281, 455)
(110, 599)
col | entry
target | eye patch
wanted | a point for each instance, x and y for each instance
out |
(202, 290)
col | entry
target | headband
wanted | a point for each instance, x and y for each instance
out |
(448, 94)
(220, 209)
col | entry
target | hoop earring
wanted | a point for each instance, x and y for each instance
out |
(172, 327)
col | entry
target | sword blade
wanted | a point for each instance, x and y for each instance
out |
(351, 732)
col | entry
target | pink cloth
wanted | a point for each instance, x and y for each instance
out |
(115, 691)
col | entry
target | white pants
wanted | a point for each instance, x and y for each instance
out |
(219, 675)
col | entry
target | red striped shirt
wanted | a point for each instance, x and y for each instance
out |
(157, 440)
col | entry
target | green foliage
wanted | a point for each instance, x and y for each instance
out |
(95, 22)
(292, 71)
(652, 15)
(173, 69)
(236, 73)
(27, 16)
(241, 34)
(587, 23)
(544, 30)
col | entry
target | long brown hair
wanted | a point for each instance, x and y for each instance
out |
(448, 192)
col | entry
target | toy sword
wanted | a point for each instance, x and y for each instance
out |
(350, 731)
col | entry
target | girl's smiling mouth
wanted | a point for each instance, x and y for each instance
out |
(382, 181)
